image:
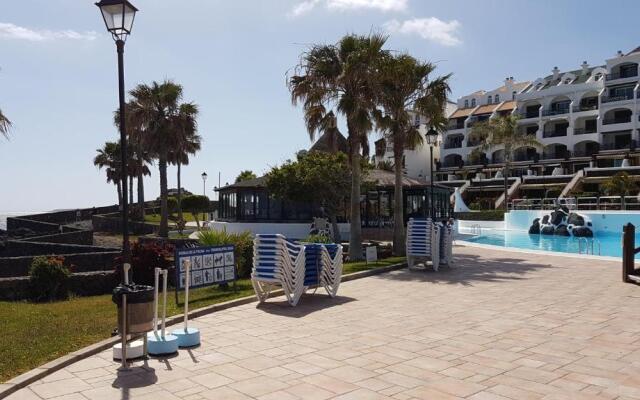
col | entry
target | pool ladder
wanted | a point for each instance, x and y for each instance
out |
(588, 242)
(476, 229)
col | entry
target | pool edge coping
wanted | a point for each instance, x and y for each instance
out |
(538, 252)
(25, 379)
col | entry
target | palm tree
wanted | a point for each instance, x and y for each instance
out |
(108, 157)
(245, 176)
(154, 106)
(501, 132)
(621, 184)
(405, 88)
(5, 125)
(188, 142)
(341, 77)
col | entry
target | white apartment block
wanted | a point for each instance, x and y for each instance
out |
(416, 161)
(574, 114)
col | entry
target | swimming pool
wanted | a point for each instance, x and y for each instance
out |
(610, 243)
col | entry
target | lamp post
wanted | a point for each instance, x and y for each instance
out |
(432, 140)
(118, 16)
(204, 189)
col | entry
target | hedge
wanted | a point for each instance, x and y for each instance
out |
(484, 215)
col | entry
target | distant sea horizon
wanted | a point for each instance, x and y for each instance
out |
(5, 214)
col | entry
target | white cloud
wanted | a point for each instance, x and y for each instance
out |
(431, 29)
(12, 31)
(343, 5)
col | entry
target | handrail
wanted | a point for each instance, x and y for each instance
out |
(578, 203)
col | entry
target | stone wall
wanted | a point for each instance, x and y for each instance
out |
(73, 237)
(81, 284)
(113, 223)
(83, 262)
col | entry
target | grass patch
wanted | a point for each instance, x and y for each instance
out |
(155, 218)
(41, 332)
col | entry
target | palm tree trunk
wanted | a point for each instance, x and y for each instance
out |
(119, 188)
(179, 196)
(131, 189)
(398, 214)
(355, 239)
(506, 187)
(164, 214)
(141, 195)
(334, 225)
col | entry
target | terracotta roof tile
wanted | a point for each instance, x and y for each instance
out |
(461, 112)
(486, 109)
(507, 105)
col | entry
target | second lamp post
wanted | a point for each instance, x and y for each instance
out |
(432, 140)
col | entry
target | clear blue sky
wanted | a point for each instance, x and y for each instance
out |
(58, 73)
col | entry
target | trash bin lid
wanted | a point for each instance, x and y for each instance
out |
(135, 293)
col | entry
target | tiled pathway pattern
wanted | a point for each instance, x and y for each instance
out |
(498, 325)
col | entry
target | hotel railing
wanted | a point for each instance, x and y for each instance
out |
(602, 203)
(547, 113)
(585, 108)
(548, 134)
(609, 121)
(618, 75)
(611, 99)
(525, 114)
(583, 131)
(455, 145)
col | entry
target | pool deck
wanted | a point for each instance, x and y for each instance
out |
(497, 325)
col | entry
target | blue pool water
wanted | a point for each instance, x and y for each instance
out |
(610, 243)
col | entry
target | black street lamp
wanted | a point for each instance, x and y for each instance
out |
(432, 140)
(118, 17)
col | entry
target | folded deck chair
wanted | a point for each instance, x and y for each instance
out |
(446, 244)
(331, 274)
(423, 242)
(278, 262)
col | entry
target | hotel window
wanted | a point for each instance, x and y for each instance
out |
(466, 104)
(513, 95)
(598, 76)
(489, 100)
(497, 98)
(473, 102)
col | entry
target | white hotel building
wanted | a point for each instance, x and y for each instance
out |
(585, 118)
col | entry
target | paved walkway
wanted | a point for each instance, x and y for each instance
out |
(498, 325)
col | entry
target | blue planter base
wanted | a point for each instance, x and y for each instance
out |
(190, 338)
(160, 346)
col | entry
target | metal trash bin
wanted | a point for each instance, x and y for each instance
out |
(139, 307)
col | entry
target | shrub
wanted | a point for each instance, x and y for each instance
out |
(48, 278)
(484, 215)
(243, 243)
(145, 258)
(172, 205)
(317, 239)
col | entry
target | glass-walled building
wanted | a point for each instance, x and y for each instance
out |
(250, 201)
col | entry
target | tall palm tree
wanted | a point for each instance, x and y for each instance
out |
(139, 157)
(5, 125)
(341, 76)
(108, 157)
(157, 108)
(501, 132)
(188, 142)
(405, 87)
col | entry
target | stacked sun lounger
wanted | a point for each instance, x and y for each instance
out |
(446, 244)
(278, 262)
(423, 242)
(331, 273)
(294, 267)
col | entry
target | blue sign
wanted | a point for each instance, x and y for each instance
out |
(209, 266)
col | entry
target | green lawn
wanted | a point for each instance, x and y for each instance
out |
(42, 332)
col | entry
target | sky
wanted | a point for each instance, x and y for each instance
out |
(58, 74)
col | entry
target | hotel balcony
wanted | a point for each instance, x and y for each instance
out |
(584, 131)
(622, 97)
(554, 133)
(453, 125)
(528, 114)
(582, 108)
(621, 75)
(549, 113)
(610, 121)
(618, 146)
(453, 145)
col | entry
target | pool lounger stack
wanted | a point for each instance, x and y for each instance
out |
(423, 242)
(446, 244)
(278, 262)
(321, 266)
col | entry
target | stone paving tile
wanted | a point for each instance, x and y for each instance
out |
(497, 325)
